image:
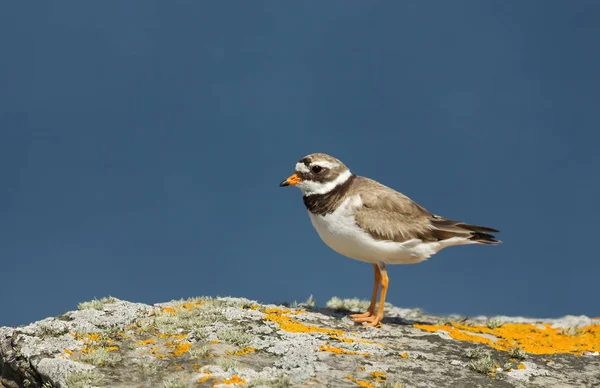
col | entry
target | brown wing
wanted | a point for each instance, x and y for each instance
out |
(389, 215)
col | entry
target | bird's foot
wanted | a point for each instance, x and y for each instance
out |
(373, 320)
(367, 314)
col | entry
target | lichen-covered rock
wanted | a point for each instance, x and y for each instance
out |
(238, 342)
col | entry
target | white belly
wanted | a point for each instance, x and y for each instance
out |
(341, 233)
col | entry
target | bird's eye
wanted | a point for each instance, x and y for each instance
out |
(316, 169)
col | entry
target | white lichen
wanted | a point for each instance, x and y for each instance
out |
(96, 304)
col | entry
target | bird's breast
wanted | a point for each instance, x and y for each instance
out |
(341, 233)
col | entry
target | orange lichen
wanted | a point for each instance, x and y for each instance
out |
(404, 355)
(191, 305)
(181, 348)
(204, 379)
(521, 366)
(92, 342)
(242, 352)
(341, 339)
(493, 372)
(177, 308)
(94, 336)
(154, 350)
(352, 340)
(378, 377)
(362, 383)
(329, 348)
(235, 379)
(536, 339)
(87, 337)
(293, 326)
(146, 342)
(69, 352)
(177, 366)
(362, 341)
(213, 342)
(112, 348)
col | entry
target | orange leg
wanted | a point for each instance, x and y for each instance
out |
(375, 319)
(371, 310)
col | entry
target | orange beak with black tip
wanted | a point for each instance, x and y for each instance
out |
(293, 180)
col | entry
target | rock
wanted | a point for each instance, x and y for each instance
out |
(235, 342)
(57, 370)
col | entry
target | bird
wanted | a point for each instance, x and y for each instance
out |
(364, 220)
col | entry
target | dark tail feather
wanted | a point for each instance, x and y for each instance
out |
(447, 229)
(481, 234)
(484, 238)
(476, 228)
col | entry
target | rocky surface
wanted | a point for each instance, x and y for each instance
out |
(203, 342)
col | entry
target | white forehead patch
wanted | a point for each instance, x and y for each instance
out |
(326, 164)
(301, 167)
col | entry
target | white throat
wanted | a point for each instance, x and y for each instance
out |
(314, 187)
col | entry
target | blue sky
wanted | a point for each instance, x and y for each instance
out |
(142, 144)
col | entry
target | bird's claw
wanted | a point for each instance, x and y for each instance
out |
(372, 320)
(366, 314)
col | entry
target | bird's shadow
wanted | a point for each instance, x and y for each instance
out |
(341, 313)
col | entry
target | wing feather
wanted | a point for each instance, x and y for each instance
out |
(389, 215)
